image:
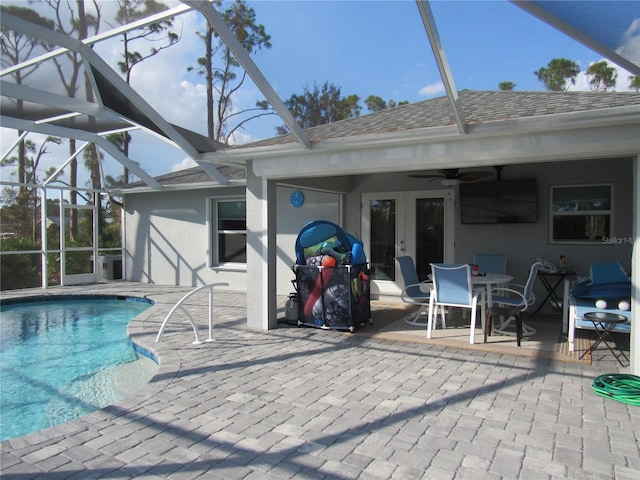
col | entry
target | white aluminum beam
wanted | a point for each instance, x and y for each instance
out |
(97, 38)
(112, 150)
(75, 105)
(230, 40)
(443, 65)
(57, 131)
(63, 102)
(59, 170)
(14, 145)
(90, 57)
(213, 172)
(96, 61)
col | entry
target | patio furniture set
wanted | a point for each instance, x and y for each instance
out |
(600, 303)
(485, 285)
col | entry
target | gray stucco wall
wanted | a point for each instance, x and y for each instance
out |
(523, 243)
(166, 239)
(171, 238)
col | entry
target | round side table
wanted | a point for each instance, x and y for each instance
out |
(604, 323)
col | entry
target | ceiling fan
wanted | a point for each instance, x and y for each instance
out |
(454, 175)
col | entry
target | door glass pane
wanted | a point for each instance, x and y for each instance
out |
(429, 223)
(78, 262)
(383, 239)
(53, 268)
(78, 227)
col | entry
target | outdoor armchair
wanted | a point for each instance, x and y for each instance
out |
(414, 291)
(452, 287)
(491, 262)
(514, 295)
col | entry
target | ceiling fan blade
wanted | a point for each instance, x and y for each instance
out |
(475, 175)
(454, 174)
(450, 173)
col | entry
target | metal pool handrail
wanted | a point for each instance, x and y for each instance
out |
(179, 305)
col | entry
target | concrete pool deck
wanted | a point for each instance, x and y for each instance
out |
(309, 403)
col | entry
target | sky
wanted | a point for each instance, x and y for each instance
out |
(364, 47)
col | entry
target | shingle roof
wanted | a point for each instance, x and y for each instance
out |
(478, 106)
(193, 176)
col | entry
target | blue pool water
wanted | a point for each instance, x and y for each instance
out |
(62, 359)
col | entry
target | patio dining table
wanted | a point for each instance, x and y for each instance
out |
(488, 280)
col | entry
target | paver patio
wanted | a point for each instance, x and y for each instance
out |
(308, 403)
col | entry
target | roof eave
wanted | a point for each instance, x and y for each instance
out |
(517, 126)
(178, 188)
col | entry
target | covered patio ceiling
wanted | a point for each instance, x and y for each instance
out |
(38, 106)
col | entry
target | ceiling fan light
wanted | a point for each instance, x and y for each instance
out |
(450, 182)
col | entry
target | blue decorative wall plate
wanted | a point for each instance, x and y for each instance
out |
(296, 198)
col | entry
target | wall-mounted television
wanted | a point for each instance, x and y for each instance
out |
(504, 201)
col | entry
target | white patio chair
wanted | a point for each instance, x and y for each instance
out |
(513, 295)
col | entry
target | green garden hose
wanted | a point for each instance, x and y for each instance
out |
(622, 387)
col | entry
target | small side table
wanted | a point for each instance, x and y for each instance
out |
(551, 281)
(604, 323)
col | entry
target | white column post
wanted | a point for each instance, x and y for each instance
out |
(261, 252)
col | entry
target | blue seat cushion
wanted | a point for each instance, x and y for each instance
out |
(608, 272)
(604, 291)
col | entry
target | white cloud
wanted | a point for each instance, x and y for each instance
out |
(622, 82)
(630, 48)
(431, 90)
(160, 80)
(239, 138)
(183, 165)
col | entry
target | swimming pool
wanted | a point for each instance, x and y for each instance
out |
(61, 358)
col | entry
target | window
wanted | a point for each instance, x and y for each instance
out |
(581, 213)
(229, 231)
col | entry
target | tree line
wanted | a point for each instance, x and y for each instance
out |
(223, 76)
(561, 73)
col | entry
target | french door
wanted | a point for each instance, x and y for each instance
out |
(418, 224)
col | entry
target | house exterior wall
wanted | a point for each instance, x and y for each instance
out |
(171, 241)
(167, 235)
(318, 205)
(523, 243)
(167, 239)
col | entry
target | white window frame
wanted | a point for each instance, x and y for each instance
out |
(213, 259)
(553, 214)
